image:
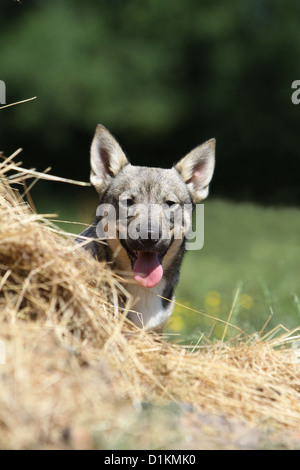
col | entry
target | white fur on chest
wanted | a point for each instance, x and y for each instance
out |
(148, 310)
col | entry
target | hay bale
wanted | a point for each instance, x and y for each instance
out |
(74, 363)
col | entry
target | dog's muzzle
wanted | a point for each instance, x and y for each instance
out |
(146, 255)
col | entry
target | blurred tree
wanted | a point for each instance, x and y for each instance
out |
(163, 77)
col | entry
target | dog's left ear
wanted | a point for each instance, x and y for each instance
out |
(196, 169)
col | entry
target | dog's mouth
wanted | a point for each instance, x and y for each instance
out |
(146, 266)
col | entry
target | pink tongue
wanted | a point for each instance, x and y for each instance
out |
(147, 269)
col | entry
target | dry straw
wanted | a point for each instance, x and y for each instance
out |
(72, 358)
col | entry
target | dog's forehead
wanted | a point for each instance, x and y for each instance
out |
(148, 175)
(148, 182)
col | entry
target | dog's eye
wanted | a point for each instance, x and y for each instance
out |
(127, 202)
(171, 203)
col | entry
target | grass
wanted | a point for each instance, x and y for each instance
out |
(250, 249)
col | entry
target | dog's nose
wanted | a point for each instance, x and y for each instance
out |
(152, 239)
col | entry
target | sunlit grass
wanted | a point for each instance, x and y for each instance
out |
(254, 248)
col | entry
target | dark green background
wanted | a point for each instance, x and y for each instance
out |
(163, 76)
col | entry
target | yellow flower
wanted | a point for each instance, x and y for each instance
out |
(213, 302)
(176, 323)
(245, 301)
(213, 298)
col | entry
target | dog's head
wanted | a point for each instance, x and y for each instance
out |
(147, 217)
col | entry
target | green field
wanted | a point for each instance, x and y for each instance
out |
(249, 250)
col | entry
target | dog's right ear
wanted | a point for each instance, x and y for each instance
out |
(107, 159)
(196, 169)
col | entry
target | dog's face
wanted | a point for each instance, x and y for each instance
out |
(151, 207)
(148, 202)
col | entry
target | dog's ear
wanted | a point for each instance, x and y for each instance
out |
(196, 169)
(107, 159)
